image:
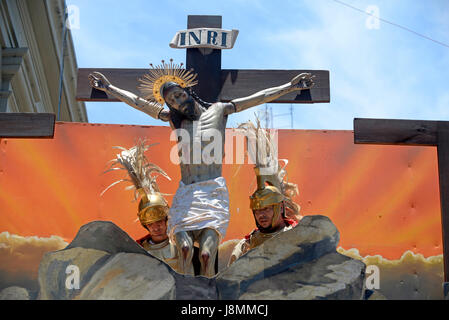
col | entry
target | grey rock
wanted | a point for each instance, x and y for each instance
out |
(194, 288)
(110, 238)
(130, 276)
(301, 263)
(14, 293)
(332, 276)
(52, 274)
(105, 236)
(312, 238)
(141, 272)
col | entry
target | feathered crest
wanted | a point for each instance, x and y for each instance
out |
(261, 149)
(263, 153)
(151, 83)
(289, 190)
(141, 173)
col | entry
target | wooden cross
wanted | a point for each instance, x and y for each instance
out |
(415, 133)
(27, 125)
(214, 83)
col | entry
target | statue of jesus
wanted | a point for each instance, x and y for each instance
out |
(200, 207)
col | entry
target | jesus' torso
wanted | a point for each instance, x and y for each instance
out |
(201, 156)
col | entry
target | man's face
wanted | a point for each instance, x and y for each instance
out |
(183, 102)
(158, 230)
(264, 216)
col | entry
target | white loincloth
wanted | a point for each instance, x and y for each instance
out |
(200, 205)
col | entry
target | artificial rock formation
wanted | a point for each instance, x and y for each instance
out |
(298, 264)
(301, 263)
(54, 270)
(130, 276)
(113, 266)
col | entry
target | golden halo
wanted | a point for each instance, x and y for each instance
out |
(152, 82)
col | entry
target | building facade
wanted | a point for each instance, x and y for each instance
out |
(30, 60)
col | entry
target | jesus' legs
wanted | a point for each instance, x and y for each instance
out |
(184, 245)
(208, 242)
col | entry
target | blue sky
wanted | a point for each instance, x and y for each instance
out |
(374, 73)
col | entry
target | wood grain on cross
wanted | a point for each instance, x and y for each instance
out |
(214, 83)
(415, 133)
(27, 125)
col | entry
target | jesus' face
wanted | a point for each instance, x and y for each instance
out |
(183, 102)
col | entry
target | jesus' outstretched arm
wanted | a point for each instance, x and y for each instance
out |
(300, 82)
(100, 82)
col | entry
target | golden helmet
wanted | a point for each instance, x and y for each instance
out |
(272, 190)
(152, 207)
(267, 194)
(142, 174)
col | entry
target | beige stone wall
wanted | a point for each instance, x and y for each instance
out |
(31, 40)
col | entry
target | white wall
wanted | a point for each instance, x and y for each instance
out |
(31, 40)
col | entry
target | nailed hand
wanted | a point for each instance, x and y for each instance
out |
(98, 81)
(303, 81)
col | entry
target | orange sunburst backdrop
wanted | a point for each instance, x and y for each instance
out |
(383, 199)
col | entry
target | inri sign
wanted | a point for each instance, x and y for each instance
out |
(204, 38)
